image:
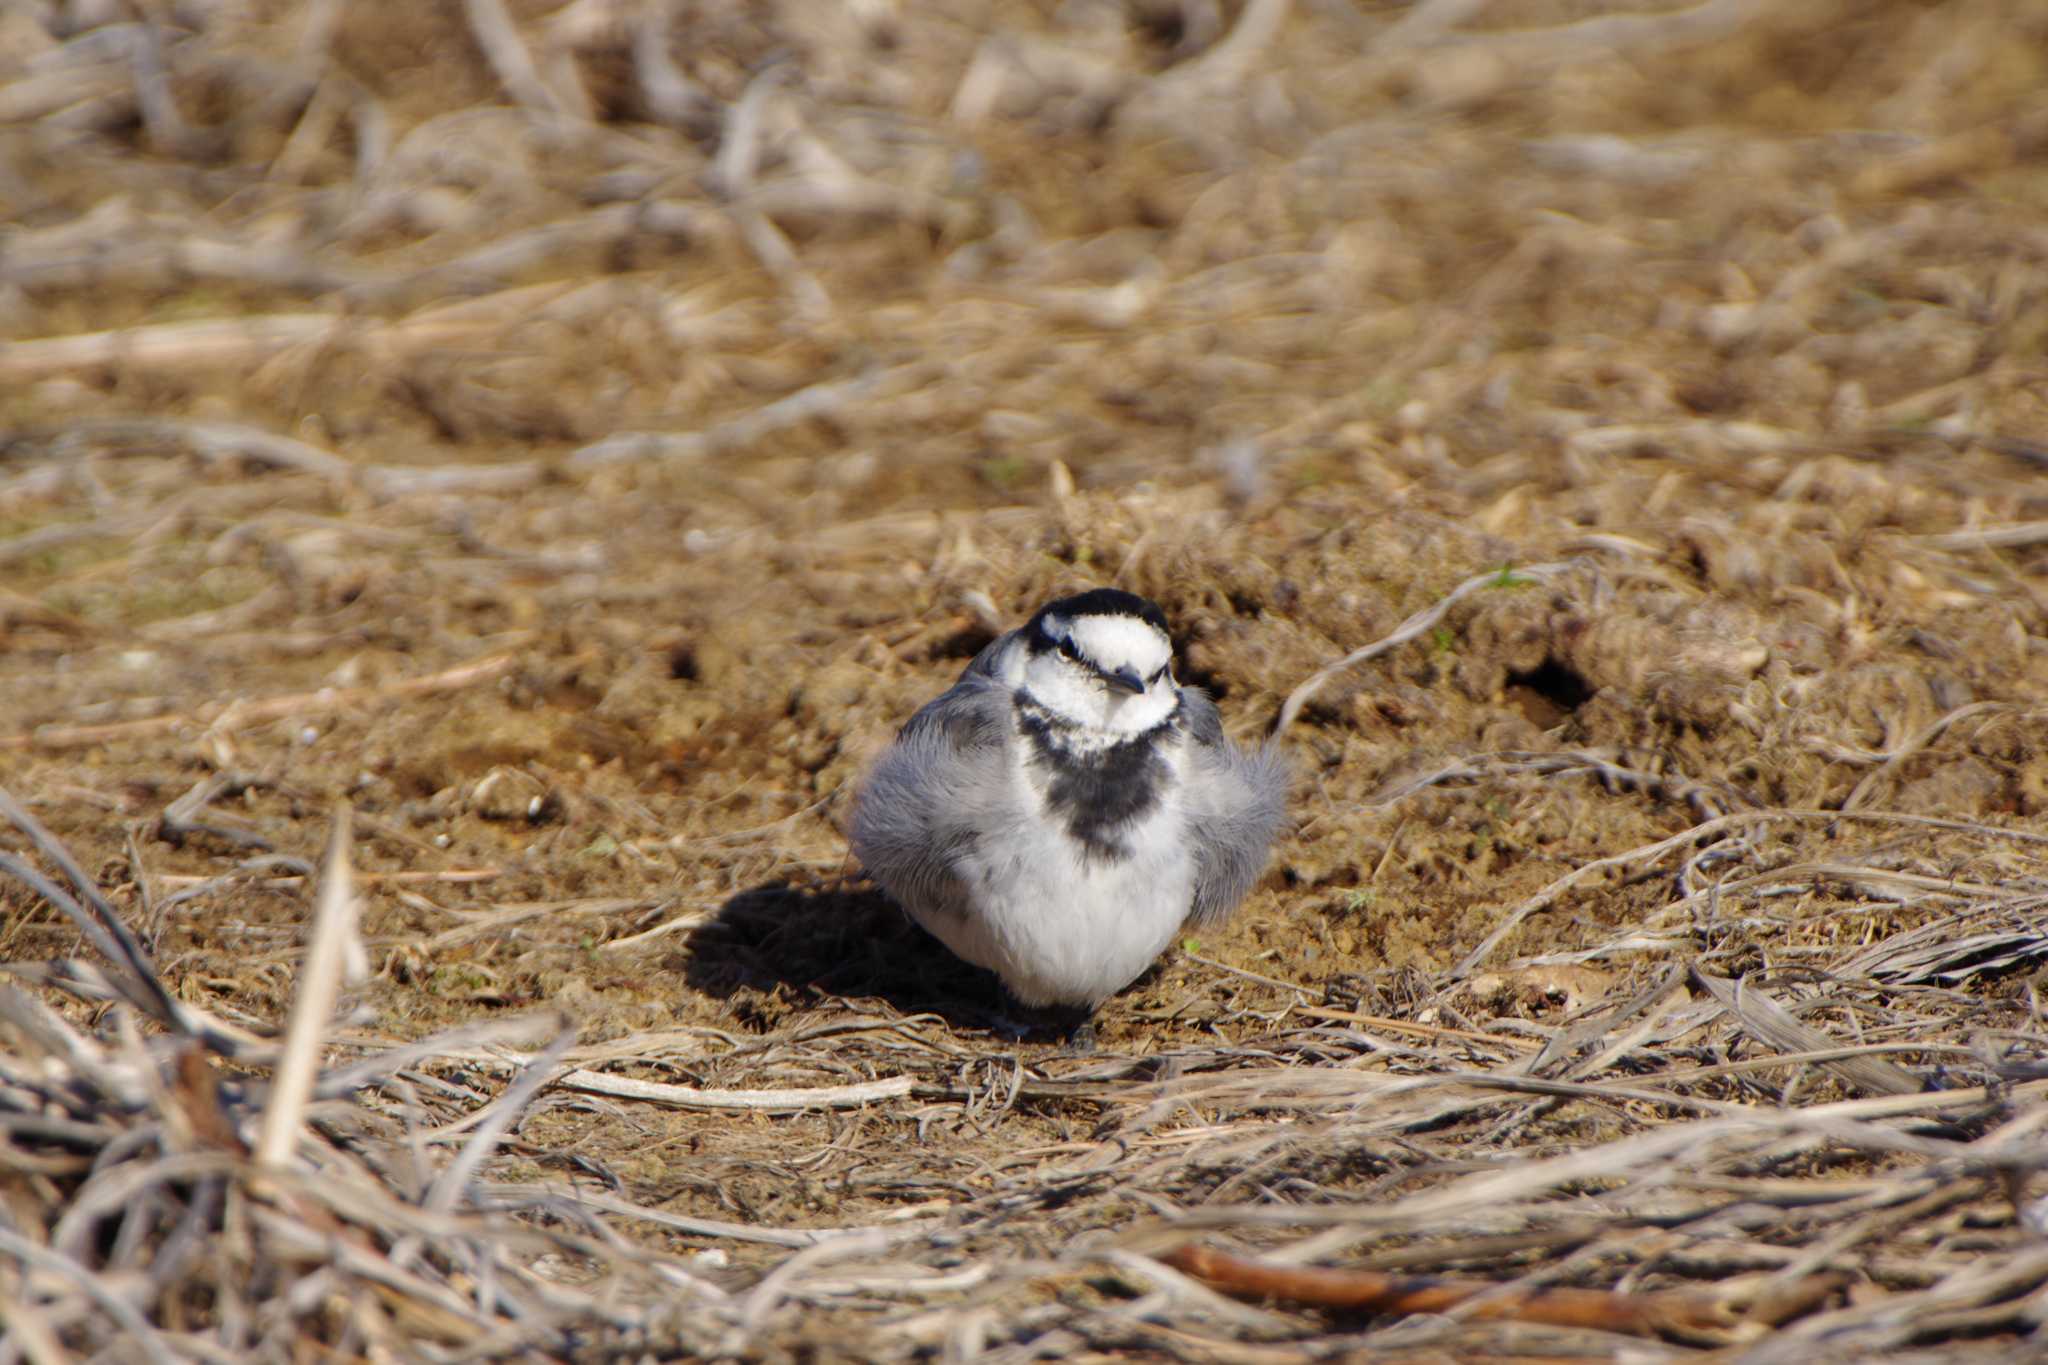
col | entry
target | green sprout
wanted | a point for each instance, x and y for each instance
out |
(1005, 472)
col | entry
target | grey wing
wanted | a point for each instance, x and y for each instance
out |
(1237, 806)
(923, 805)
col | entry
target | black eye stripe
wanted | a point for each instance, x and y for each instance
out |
(1068, 647)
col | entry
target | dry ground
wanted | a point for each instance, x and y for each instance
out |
(575, 437)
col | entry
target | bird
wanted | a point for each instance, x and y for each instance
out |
(1063, 811)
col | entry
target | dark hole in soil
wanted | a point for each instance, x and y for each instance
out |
(1548, 692)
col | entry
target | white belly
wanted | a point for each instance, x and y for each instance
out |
(1062, 928)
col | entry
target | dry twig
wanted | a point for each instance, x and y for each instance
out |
(1412, 628)
(334, 955)
(236, 715)
(1680, 1313)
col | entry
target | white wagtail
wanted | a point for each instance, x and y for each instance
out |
(1064, 809)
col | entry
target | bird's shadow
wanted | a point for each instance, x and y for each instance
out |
(836, 939)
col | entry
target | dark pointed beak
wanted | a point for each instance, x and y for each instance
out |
(1125, 680)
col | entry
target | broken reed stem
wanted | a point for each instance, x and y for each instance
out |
(114, 1303)
(236, 342)
(448, 1187)
(96, 918)
(1774, 1026)
(1707, 829)
(1413, 1029)
(498, 38)
(238, 715)
(759, 1101)
(461, 876)
(1578, 874)
(1679, 1312)
(1371, 1291)
(333, 943)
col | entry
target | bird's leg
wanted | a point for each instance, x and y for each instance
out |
(1075, 1024)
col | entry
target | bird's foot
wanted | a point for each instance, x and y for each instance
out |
(1072, 1025)
(1080, 1040)
(1075, 1025)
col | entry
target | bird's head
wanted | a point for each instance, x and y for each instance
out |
(1102, 660)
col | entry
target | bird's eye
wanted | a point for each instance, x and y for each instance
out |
(1069, 648)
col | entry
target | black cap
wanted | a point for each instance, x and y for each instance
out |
(1103, 602)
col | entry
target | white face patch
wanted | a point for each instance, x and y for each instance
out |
(1073, 688)
(1113, 642)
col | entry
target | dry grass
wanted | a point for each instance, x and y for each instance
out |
(1607, 442)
